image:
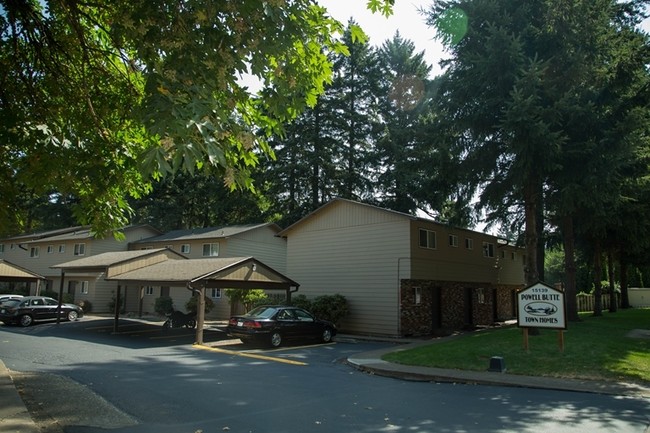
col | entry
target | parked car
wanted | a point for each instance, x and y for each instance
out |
(4, 298)
(274, 324)
(29, 309)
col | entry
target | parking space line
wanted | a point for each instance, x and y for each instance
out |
(249, 355)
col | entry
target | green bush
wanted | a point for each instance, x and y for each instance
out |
(327, 307)
(85, 305)
(192, 305)
(68, 298)
(163, 305)
(50, 294)
(249, 298)
(111, 304)
(330, 307)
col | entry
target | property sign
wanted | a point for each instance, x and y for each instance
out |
(541, 306)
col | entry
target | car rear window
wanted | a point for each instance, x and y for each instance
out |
(11, 302)
(264, 312)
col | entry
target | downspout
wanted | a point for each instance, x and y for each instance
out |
(289, 292)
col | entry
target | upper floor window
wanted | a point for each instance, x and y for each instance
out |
(427, 239)
(79, 249)
(469, 243)
(211, 250)
(513, 255)
(2, 248)
(62, 248)
(488, 249)
(50, 249)
(33, 252)
(453, 240)
(148, 290)
(185, 248)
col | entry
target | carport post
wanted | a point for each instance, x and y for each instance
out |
(117, 309)
(58, 308)
(200, 315)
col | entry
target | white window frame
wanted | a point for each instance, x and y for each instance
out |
(215, 293)
(80, 249)
(2, 248)
(469, 243)
(83, 289)
(34, 252)
(61, 248)
(429, 240)
(453, 241)
(50, 249)
(212, 249)
(185, 248)
(149, 291)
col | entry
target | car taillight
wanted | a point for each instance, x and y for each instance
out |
(232, 322)
(253, 324)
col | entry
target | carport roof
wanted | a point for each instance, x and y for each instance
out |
(232, 272)
(12, 272)
(113, 258)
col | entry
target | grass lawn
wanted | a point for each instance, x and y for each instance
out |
(595, 348)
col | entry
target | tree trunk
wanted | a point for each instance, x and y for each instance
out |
(570, 291)
(612, 289)
(598, 275)
(531, 202)
(625, 298)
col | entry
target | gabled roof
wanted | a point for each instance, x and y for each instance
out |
(44, 234)
(336, 201)
(231, 272)
(112, 258)
(206, 233)
(12, 272)
(81, 233)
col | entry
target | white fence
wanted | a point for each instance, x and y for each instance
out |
(586, 302)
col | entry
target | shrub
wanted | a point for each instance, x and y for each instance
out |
(163, 305)
(85, 305)
(301, 301)
(50, 294)
(330, 307)
(68, 298)
(249, 298)
(192, 305)
(111, 304)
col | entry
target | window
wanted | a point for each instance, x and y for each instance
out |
(2, 248)
(84, 287)
(50, 249)
(513, 255)
(185, 248)
(79, 249)
(469, 243)
(453, 240)
(33, 252)
(427, 239)
(488, 249)
(503, 254)
(62, 248)
(215, 294)
(417, 295)
(148, 290)
(211, 250)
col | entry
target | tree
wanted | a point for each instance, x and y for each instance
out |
(98, 98)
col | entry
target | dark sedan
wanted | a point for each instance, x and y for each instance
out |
(30, 309)
(275, 324)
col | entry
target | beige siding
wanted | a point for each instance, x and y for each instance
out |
(355, 251)
(261, 244)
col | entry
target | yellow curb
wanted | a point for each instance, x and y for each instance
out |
(249, 355)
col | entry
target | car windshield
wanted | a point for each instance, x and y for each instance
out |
(264, 312)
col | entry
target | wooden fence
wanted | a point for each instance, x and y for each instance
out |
(586, 302)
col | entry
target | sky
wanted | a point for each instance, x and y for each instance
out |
(405, 18)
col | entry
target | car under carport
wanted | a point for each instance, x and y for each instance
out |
(164, 267)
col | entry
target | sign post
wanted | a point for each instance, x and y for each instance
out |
(541, 306)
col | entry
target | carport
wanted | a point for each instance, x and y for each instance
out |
(13, 273)
(164, 267)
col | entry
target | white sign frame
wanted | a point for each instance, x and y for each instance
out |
(541, 306)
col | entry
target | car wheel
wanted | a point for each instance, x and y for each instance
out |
(26, 320)
(327, 335)
(276, 339)
(72, 315)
